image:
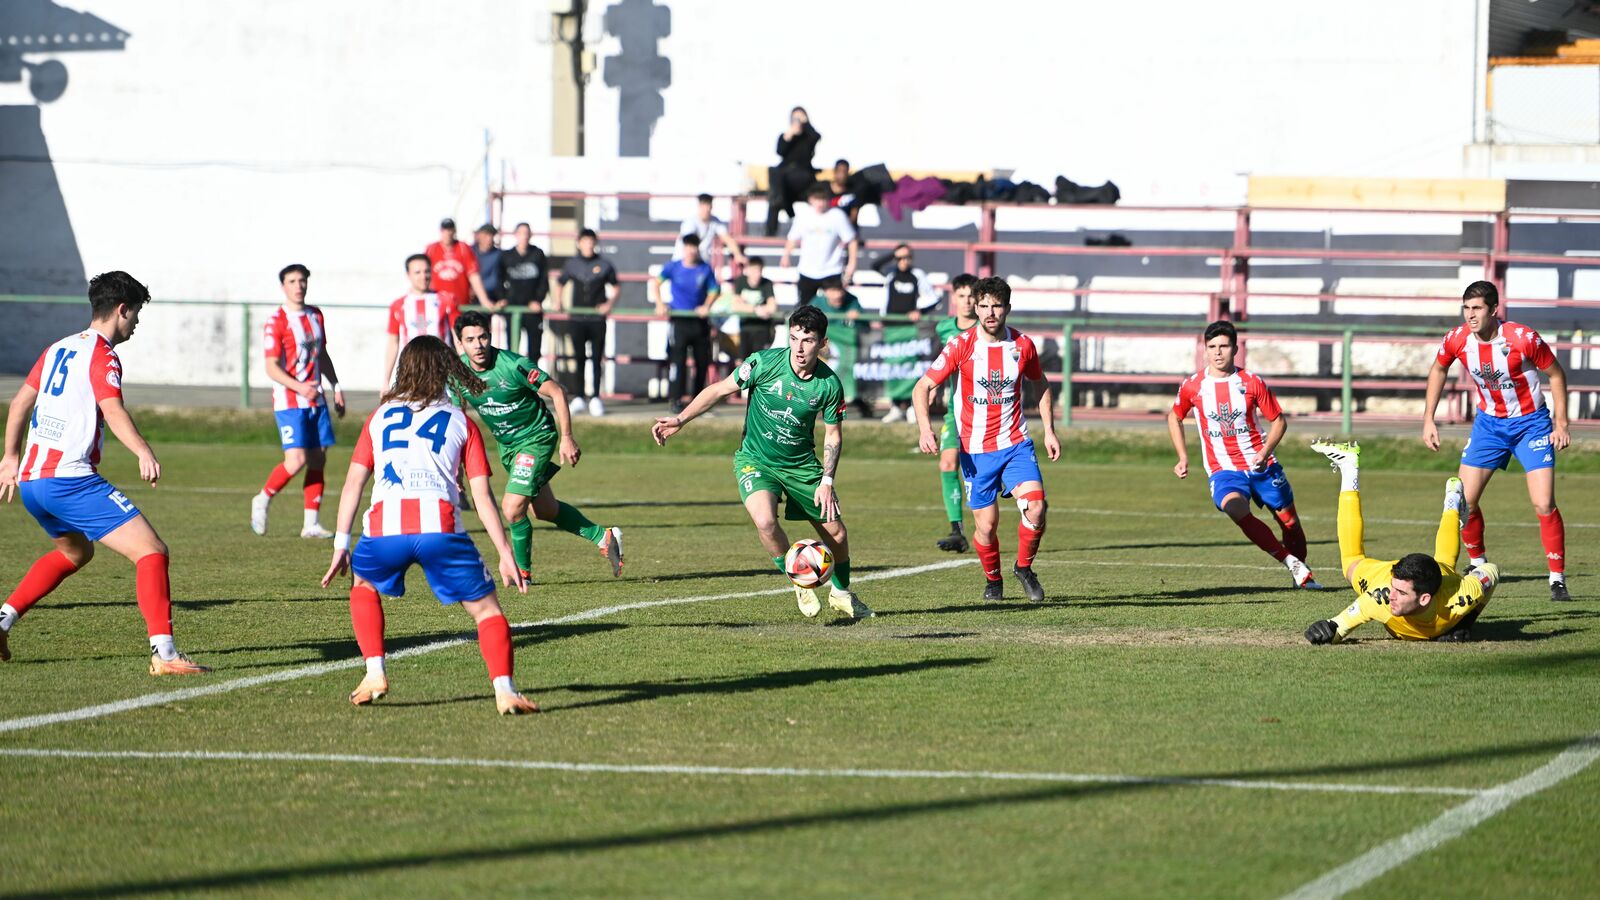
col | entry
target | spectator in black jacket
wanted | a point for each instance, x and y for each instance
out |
(527, 284)
(788, 180)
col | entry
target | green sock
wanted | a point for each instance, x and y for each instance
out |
(951, 482)
(841, 574)
(778, 561)
(522, 543)
(568, 519)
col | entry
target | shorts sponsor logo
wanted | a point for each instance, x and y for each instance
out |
(121, 500)
(1539, 443)
(523, 467)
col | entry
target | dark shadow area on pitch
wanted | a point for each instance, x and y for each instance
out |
(995, 607)
(207, 603)
(640, 691)
(344, 647)
(1514, 630)
(345, 867)
(1544, 664)
(675, 504)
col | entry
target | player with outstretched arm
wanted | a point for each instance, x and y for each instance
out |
(789, 388)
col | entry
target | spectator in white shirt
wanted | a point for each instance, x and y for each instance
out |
(827, 243)
(710, 230)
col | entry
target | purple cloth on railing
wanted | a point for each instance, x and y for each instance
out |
(912, 194)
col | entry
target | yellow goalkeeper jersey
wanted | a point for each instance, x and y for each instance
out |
(1458, 596)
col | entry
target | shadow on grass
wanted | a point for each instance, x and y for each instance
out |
(746, 573)
(856, 814)
(640, 691)
(206, 603)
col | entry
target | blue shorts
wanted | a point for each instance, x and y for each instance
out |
(1270, 488)
(450, 562)
(1495, 440)
(987, 475)
(88, 505)
(310, 427)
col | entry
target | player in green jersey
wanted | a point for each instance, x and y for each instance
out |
(534, 442)
(789, 387)
(949, 436)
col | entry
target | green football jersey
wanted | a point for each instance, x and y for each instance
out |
(945, 330)
(780, 419)
(511, 407)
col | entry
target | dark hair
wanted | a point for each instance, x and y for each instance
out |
(832, 281)
(1421, 570)
(756, 261)
(486, 228)
(810, 319)
(704, 198)
(995, 287)
(588, 233)
(109, 290)
(283, 273)
(523, 225)
(800, 109)
(428, 368)
(841, 162)
(964, 280)
(471, 319)
(818, 190)
(1222, 328)
(690, 240)
(1484, 289)
(416, 256)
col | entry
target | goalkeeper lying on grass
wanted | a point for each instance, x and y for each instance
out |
(1417, 597)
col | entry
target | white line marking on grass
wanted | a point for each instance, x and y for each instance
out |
(739, 771)
(222, 687)
(1452, 824)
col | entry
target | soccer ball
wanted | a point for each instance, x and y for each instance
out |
(808, 563)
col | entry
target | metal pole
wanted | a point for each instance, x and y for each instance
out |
(1066, 376)
(1347, 388)
(244, 356)
(515, 338)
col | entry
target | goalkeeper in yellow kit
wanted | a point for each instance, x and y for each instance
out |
(1417, 597)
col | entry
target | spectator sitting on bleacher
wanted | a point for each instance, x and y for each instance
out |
(827, 243)
(842, 191)
(710, 230)
(755, 303)
(787, 180)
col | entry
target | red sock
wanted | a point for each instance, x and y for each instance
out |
(1553, 533)
(1294, 536)
(46, 574)
(154, 591)
(494, 642)
(313, 489)
(1027, 543)
(1472, 533)
(1257, 531)
(366, 616)
(275, 481)
(989, 557)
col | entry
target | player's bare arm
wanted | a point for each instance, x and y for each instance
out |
(852, 249)
(1175, 431)
(557, 395)
(121, 424)
(389, 353)
(832, 445)
(11, 459)
(1280, 427)
(788, 251)
(1436, 379)
(655, 296)
(483, 496)
(325, 361)
(927, 441)
(1560, 439)
(278, 373)
(355, 484)
(667, 426)
(1047, 419)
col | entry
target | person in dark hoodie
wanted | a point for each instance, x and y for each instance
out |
(788, 180)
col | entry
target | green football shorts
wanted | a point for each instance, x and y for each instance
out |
(798, 485)
(529, 467)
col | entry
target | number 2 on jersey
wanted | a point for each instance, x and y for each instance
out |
(399, 418)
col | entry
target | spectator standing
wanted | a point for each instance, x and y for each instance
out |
(710, 230)
(455, 268)
(906, 292)
(527, 285)
(492, 271)
(756, 304)
(787, 180)
(844, 336)
(594, 292)
(693, 289)
(827, 243)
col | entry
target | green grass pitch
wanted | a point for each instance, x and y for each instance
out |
(1168, 648)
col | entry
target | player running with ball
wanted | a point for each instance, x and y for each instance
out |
(1417, 597)
(789, 387)
(416, 441)
(996, 454)
(1227, 402)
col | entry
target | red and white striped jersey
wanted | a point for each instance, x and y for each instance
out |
(413, 315)
(295, 340)
(72, 376)
(414, 455)
(1225, 410)
(1504, 369)
(988, 386)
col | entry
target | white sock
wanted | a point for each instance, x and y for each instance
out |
(502, 685)
(161, 644)
(1349, 478)
(8, 617)
(264, 496)
(1558, 577)
(1477, 561)
(375, 666)
(312, 515)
